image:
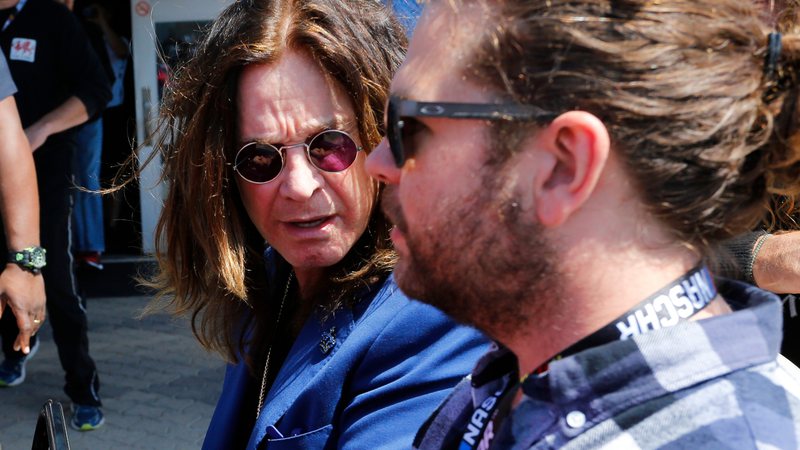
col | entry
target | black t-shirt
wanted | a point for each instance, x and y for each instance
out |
(51, 60)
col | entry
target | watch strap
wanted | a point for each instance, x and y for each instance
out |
(31, 259)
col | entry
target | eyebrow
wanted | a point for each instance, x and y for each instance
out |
(332, 123)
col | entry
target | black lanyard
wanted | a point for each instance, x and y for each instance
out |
(675, 302)
(13, 15)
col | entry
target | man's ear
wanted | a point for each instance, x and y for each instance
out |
(576, 144)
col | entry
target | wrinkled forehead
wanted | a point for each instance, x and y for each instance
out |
(289, 100)
(440, 50)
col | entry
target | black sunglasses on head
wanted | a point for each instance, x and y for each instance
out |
(401, 124)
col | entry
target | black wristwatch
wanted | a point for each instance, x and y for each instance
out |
(31, 259)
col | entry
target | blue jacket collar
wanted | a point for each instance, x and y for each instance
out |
(305, 361)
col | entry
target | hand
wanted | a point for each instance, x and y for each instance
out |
(37, 134)
(777, 265)
(23, 292)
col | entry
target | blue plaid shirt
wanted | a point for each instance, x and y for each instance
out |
(711, 383)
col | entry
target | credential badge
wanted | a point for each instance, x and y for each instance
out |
(23, 49)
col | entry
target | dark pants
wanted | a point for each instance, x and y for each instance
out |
(65, 307)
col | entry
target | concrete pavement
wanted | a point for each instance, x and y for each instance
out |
(158, 386)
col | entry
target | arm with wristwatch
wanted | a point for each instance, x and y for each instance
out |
(21, 283)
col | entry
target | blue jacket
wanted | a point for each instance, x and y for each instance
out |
(393, 362)
(407, 12)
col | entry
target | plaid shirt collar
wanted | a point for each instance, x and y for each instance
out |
(605, 381)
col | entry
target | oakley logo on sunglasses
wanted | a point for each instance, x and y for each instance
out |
(328, 151)
(402, 124)
(432, 110)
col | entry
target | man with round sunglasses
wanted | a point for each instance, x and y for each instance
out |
(558, 179)
(271, 237)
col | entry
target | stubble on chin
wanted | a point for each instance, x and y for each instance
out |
(480, 262)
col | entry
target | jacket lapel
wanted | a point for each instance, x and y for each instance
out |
(303, 363)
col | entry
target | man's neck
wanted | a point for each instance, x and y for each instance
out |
(596, 291)
(5, 4)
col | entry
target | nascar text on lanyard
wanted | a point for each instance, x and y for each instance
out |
(13, 15)
(675, 302)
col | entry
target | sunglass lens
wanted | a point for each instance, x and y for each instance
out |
(258, 163)
(394, 133)
(403, 141)
(332, 151)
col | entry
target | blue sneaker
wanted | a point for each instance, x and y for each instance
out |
(86, 418)
(12, 372)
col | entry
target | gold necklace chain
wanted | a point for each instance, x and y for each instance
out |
(269, 351)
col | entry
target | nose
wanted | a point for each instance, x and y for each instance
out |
(299, 178)
(380, 164)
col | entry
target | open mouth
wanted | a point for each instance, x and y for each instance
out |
(310, 223)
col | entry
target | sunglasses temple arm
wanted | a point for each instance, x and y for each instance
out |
(474, 111)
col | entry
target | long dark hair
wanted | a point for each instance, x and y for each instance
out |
(209, 253)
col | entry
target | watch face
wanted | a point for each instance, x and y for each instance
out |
(37, 258)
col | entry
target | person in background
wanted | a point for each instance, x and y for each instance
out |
(60, 85)
(769, 257)
(272, 240)
(558, 173)
(21, 282)
(113, 51)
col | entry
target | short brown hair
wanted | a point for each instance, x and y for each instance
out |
(209, 253)
(681, 87)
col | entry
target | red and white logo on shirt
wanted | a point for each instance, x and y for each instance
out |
(23, 49)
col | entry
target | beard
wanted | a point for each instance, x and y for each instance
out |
(478, 260)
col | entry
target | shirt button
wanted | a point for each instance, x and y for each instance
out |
(576, 419)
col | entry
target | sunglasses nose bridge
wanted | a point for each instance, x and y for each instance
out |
(284, 151)
(300, 176)
(287, 147)
(311, 164)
